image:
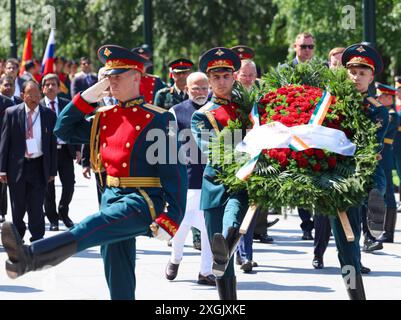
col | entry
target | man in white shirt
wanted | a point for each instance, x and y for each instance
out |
(28, 158)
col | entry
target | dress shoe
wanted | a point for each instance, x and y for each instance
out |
(209, 280)
(317, 262)
(263, 238)
(307, 235)
(246, 266)
(197, 245)
(370, 245)
(67, 222)
(254, 264)
(171, 270)
(53, 227)
(2, 218)
(170, 243)
(365, 270)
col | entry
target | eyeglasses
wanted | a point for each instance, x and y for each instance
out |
(309, 46)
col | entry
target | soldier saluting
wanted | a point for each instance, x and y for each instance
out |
(136, 189)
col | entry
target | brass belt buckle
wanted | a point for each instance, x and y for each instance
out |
(114, 182)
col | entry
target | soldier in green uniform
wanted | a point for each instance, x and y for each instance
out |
(137, 187)
(397, 139)
(223, 211)
(362, 62)
(386, 95)
(168, 97)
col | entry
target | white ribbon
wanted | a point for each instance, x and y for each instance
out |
(277, 135)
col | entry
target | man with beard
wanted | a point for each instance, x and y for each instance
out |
(197, 88)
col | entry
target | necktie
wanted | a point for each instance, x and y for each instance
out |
(111, 101)
(52, 103)
(29, 129)
(89, 80)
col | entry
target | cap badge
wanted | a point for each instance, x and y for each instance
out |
(361, 49)
(219, 52)
(107, 52)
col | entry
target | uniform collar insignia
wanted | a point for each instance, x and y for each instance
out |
(220, 101)
(132, 103)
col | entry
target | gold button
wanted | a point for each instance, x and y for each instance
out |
(138, 128)
(104, 145)
(115, 109)
(106, 164)
(151, 92)
(124, 165)
(128, 145)
(148, 116)
(134, 109)
(104, 114)
(104, 127)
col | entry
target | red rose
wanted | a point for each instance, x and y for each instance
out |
(316, 167)
(309, 152)
(319, 154)
(302, 162)
(332, 162)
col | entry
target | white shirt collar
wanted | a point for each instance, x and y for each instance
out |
(47, 100)
(176, 89)
(36, 110)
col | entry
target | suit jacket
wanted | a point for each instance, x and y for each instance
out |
(17, 100)
(13, 145)
(4, 104)
(72, 148)
(80, 83)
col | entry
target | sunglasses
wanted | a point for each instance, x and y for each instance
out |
(309, 46)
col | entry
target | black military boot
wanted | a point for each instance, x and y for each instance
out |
(227, 288)
(39, 255)
(376, 212)
(223, 248)
(357, 293)
(389, 226)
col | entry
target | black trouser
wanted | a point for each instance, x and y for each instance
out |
(27, 195)
(261, 221)
(306, 217)
(322, 234)
(65, 169)
(365, 229)
(3, 199)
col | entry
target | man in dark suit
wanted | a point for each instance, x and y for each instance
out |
(66, 153)
(84, 79)
(12, 69)
(7, 89)
(28, 158)
(4, 104)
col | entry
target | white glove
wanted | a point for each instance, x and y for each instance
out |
(96, 92)
(159, 233)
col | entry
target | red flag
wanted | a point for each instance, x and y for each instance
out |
(27, 52)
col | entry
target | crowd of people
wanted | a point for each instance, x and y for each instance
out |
(43, 132)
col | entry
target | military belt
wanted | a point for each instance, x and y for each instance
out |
(388, 141)
(133, 182)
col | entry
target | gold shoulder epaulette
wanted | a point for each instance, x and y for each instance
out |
(206, 107)
(374, 102)
(155, 108)
(105, 108)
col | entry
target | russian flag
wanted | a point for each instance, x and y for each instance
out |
(48, 58)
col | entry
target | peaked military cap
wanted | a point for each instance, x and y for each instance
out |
(363, 55)
(219, 58)
(180, 65)
(117, 60)
(244, 52)
(143, 51)
(398, 82)
(385, 89)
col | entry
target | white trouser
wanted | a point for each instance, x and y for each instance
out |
(193, 218)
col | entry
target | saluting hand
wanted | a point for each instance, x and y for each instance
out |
(97, 91)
